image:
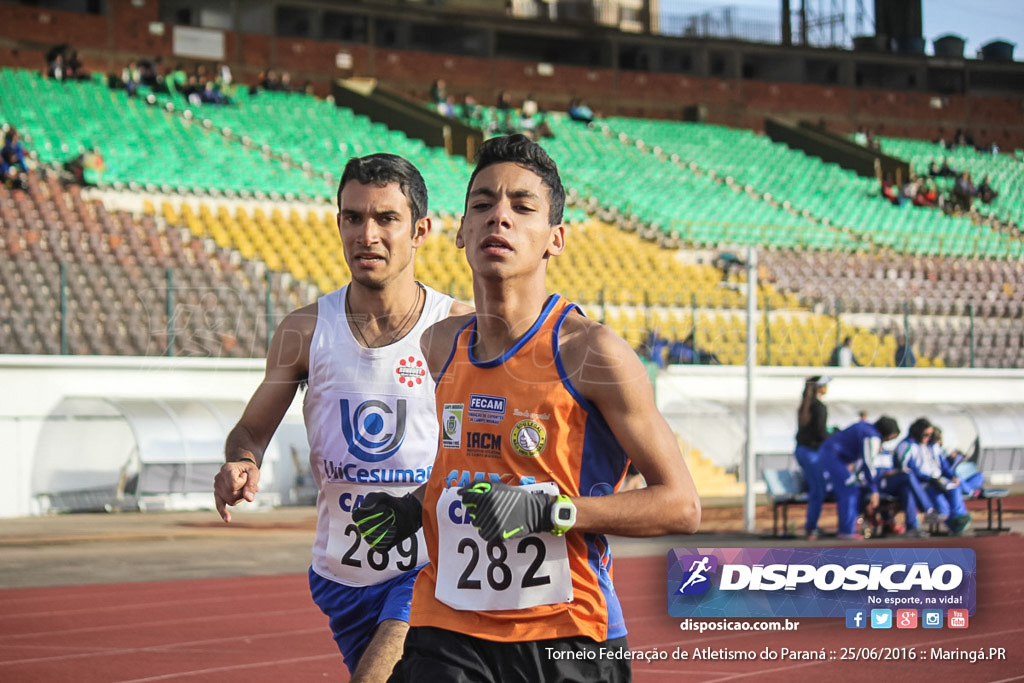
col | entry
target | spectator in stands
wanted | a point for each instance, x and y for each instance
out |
(504, 102)
(907, 192)
(842, 355)
(964, 192)
(530, 107)
(872, 143)
(471, 109)
(579, 111)
(727, 262)
(56, 69)
(943, 171)
(962, 139)
(131, 78)
(503, 123)
(268, 80)
(543, 130)
(812, 430)
(13, 166)
(905, 357)
(915, 455)
(87, 168)
(529, 118)
(685, 352)
(57, 62)
(211, 94)
(224, 77)
(890, 190)
(448, 108)
(149, 72)
(74, 67)
(444, 103)
(849, 458)
(680, 352)
(438, 92)
(928, 194)
(985, 191)
(286, 82)
(177, 80)
(658, 347)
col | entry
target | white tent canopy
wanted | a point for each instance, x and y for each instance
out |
(115, 453)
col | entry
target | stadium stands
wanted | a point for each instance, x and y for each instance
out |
(231, 193)
(118, 272)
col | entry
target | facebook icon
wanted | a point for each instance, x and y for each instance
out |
(856, 618)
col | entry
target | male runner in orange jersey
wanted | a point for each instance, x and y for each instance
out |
(541, 410)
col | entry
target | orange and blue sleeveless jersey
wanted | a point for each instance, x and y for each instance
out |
(518, 419)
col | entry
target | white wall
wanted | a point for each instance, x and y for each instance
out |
(32, 386)
(705, 405)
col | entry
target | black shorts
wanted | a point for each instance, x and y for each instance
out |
(436, 655)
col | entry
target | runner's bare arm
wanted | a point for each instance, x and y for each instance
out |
(436, 342)
(287, 366)
(459, 309)
(608, 373)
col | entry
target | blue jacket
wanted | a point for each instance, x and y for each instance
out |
(859, 443)
(921, 461)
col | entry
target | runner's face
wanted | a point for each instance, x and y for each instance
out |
(377, 234)
(505, 230)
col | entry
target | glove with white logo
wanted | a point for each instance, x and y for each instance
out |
(384, 521)
(501, 512)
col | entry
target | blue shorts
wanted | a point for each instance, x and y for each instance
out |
(354, 612)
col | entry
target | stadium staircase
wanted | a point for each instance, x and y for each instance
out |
(711, 480)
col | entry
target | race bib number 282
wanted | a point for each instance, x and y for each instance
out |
(475, 575)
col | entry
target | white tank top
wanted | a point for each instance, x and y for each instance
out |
(372, 426)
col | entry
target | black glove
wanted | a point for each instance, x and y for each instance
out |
(384, 521)
(500, 512)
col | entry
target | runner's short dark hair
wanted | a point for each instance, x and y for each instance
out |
(521, 150)
(381, 169)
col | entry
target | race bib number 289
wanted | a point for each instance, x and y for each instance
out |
(475, 575)
(351, 558)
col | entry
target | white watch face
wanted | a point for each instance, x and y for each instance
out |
(563, 515)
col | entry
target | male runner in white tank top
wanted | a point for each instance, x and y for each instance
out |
(368, 409)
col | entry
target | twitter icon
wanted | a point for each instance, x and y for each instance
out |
(881, 618)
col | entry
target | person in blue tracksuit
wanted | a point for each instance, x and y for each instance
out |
(849, 456)
(893, 480)
(812, 430)
(925, 463)
(969, 486)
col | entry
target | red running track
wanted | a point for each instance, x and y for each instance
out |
(258, 629)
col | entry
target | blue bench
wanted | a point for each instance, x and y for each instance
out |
(965, 470)
(785, 488)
